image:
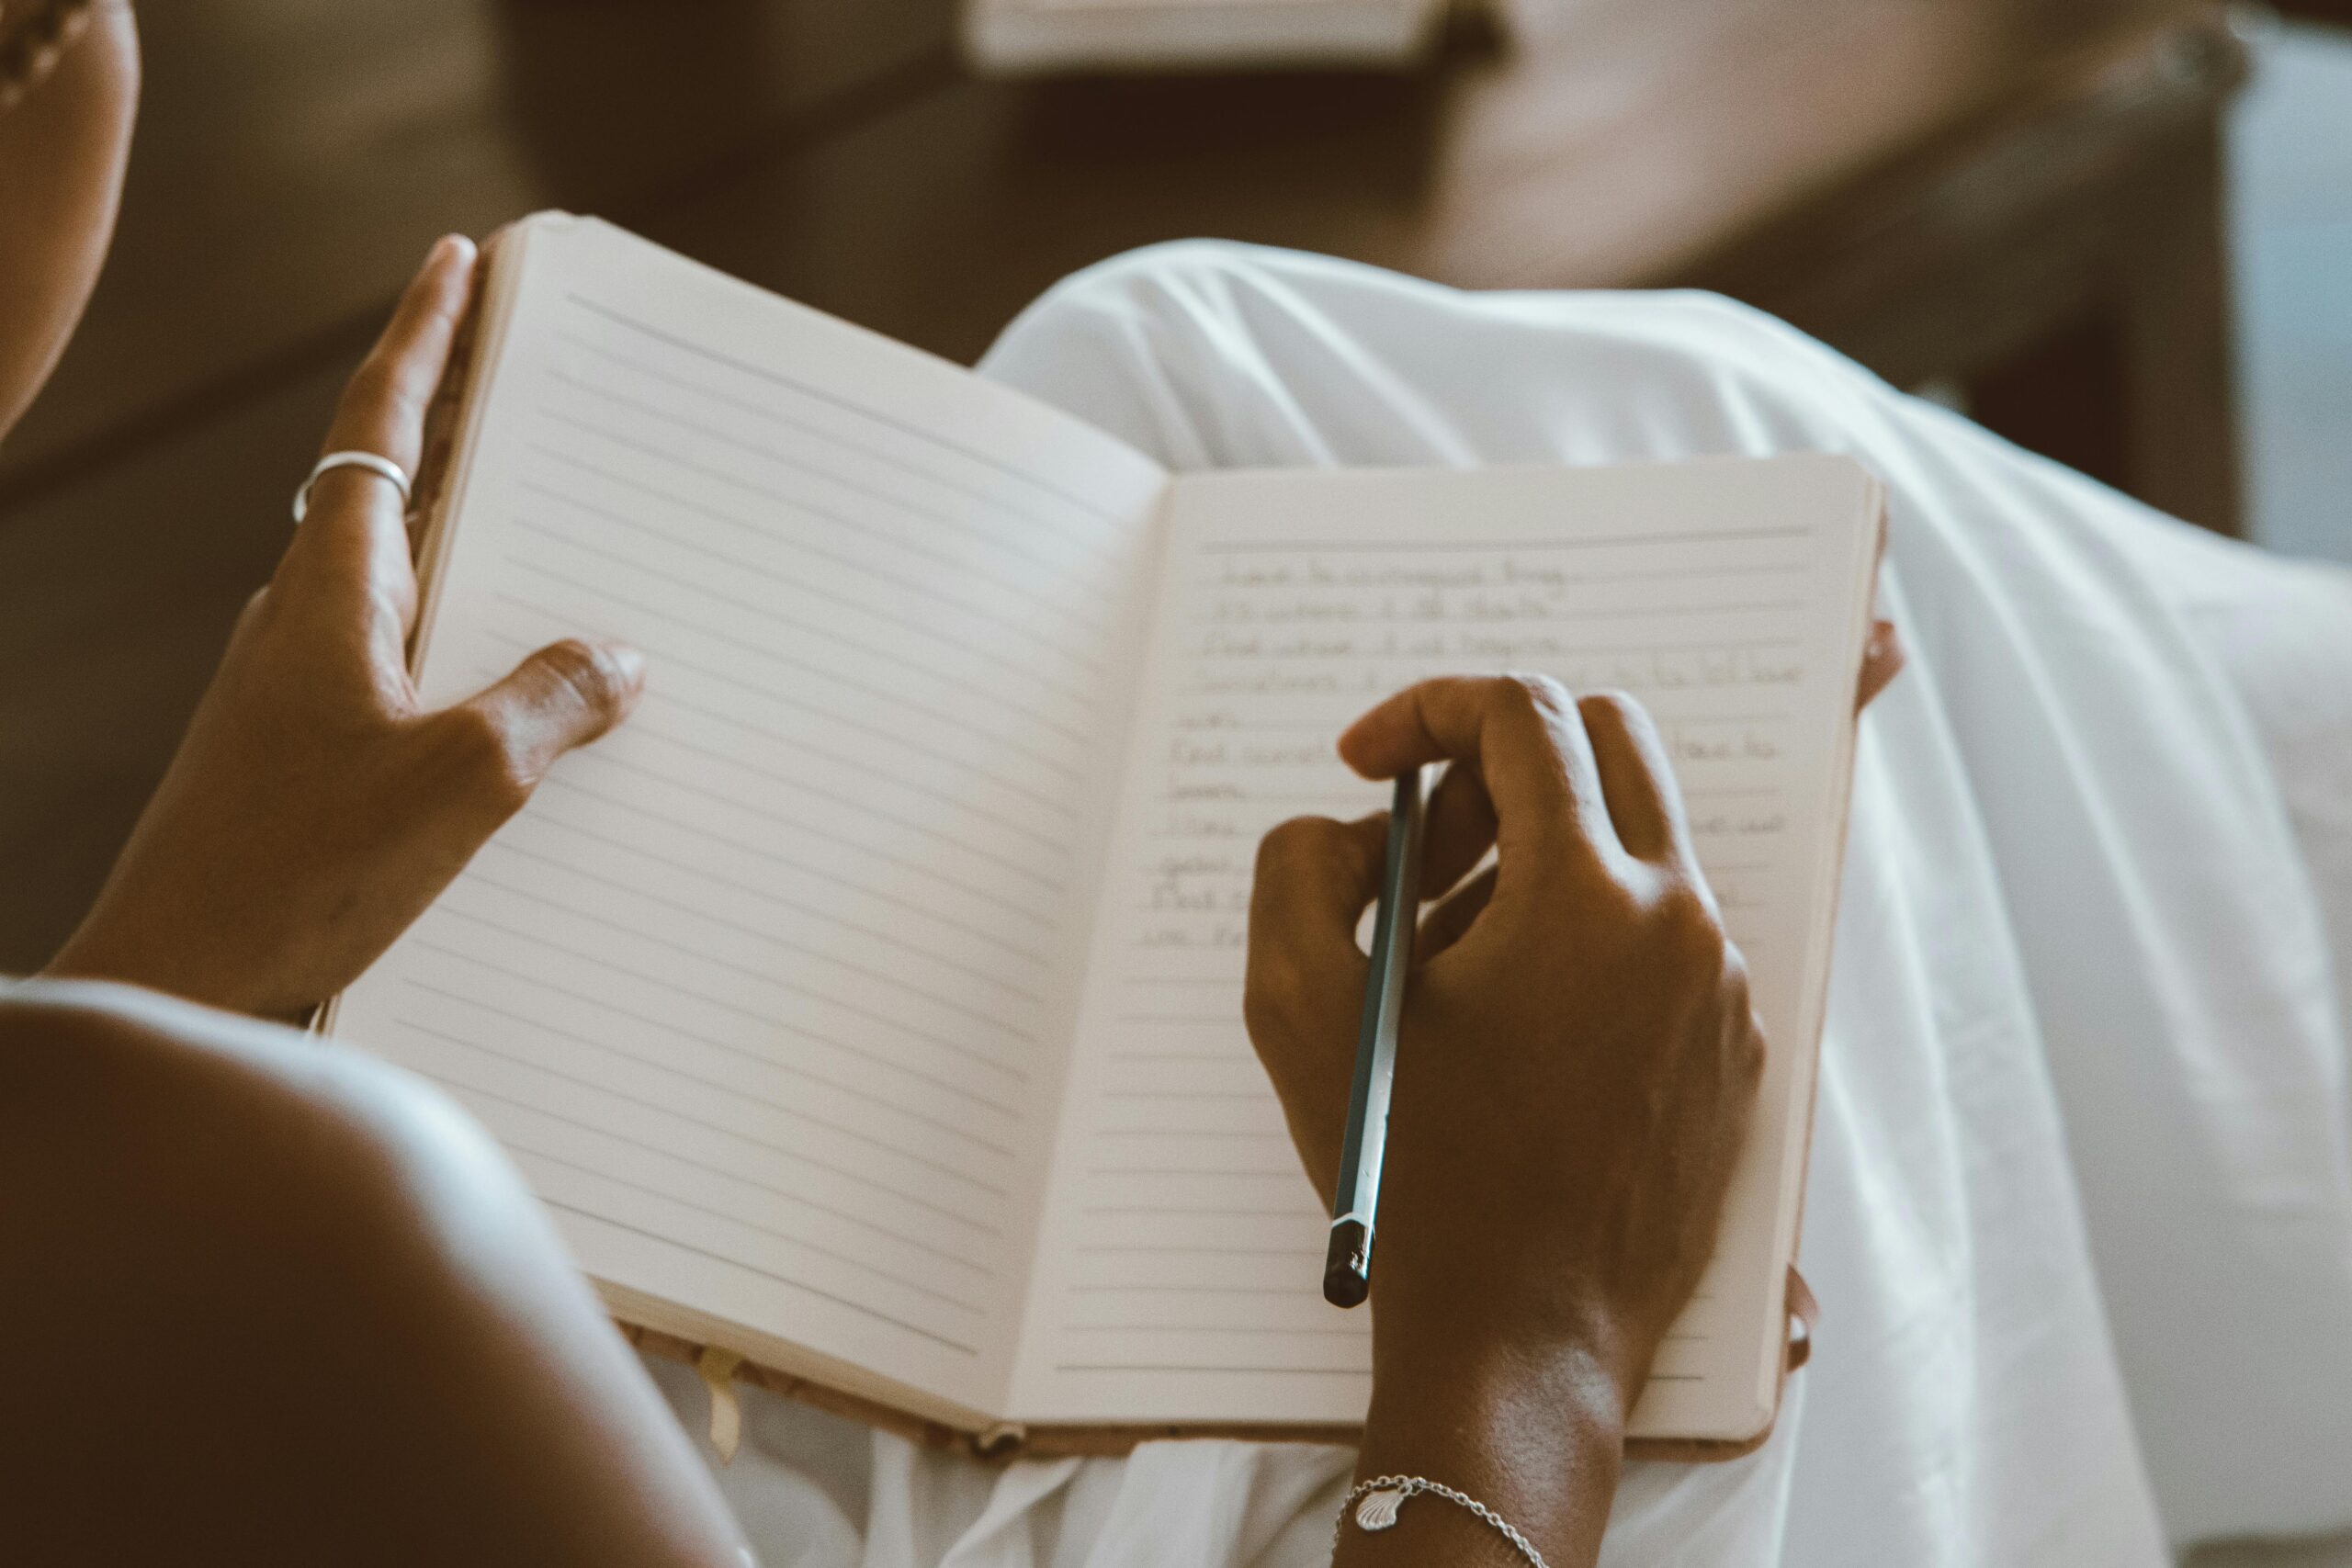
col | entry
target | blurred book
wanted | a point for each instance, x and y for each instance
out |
(1017, 37)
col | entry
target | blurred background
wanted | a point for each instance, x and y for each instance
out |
(2118, 231)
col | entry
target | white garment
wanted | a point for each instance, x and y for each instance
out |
(2080, 1211)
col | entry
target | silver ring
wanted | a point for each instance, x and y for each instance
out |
(382, 467)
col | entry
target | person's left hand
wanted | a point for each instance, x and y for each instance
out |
(315, 808)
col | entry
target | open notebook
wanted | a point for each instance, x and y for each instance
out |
(870, 1003)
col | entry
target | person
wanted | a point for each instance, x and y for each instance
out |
(61, 174)
(330, 1301)
(2080, 1203)
(313, 811)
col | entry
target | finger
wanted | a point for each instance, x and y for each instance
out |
(1315, 878)
(1449, 921)
(1884, 657)
(356, 531)
(564, 695)
(438, 443)
(1637, 777)
(1458, 830)
(1525, 738)
(384, 403)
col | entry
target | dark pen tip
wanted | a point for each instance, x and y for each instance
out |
(1347, 1267)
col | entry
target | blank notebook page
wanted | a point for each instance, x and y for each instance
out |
(1180, 1271)
(764, 990)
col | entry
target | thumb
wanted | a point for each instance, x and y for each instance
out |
(1315, 879)
(1883, 661)
(564, 695)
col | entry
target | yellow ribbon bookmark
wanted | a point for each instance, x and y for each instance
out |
(717, 1370)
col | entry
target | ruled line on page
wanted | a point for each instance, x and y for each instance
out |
(604, 758)
(1238, 1135)
(1493, 546)
(817, 393)
(668, 657)
(977, 569)
(1207, 1212)
(1153, 1249)
(982, 935)
(1711, 645)
(847, 1261)
(1061, 808)
(1297, 1331)
(506, 846)
(1178, 980)
(670, 1069)
(1155, 1096)
(897, 583)
(768, 493)
(948, 1086)
(768, 413)
(1228, 1368)
(862, 1309)
(1191, 1172)
(1236, 1055)
(961, 648)
(730, 1216)
(779, 459)
(605, 1007)
(569, 783)
(1490, 619)
(978, 1226)
(798, 746)
(807, 992)
(1290, 1291)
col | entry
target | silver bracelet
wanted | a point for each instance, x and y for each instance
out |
(1376, 1501)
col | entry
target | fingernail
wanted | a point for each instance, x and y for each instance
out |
(629, 661)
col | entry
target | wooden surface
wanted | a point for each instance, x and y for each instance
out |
(1945, 187)
(296, 157)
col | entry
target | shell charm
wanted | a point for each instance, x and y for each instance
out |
(1383, 1495)
(1378, 1509)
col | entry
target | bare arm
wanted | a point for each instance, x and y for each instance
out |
(262, 1302)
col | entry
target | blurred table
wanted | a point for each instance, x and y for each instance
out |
(2016, 199)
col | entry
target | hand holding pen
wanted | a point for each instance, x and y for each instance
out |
(1577, 1055)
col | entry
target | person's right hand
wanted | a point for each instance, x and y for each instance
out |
(1578, 1056)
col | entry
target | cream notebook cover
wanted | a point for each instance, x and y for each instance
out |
(870, 1003)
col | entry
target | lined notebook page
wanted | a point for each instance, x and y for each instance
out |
(1179, 1276)
(766, 988)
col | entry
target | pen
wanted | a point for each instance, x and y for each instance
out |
(1347, 1266)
